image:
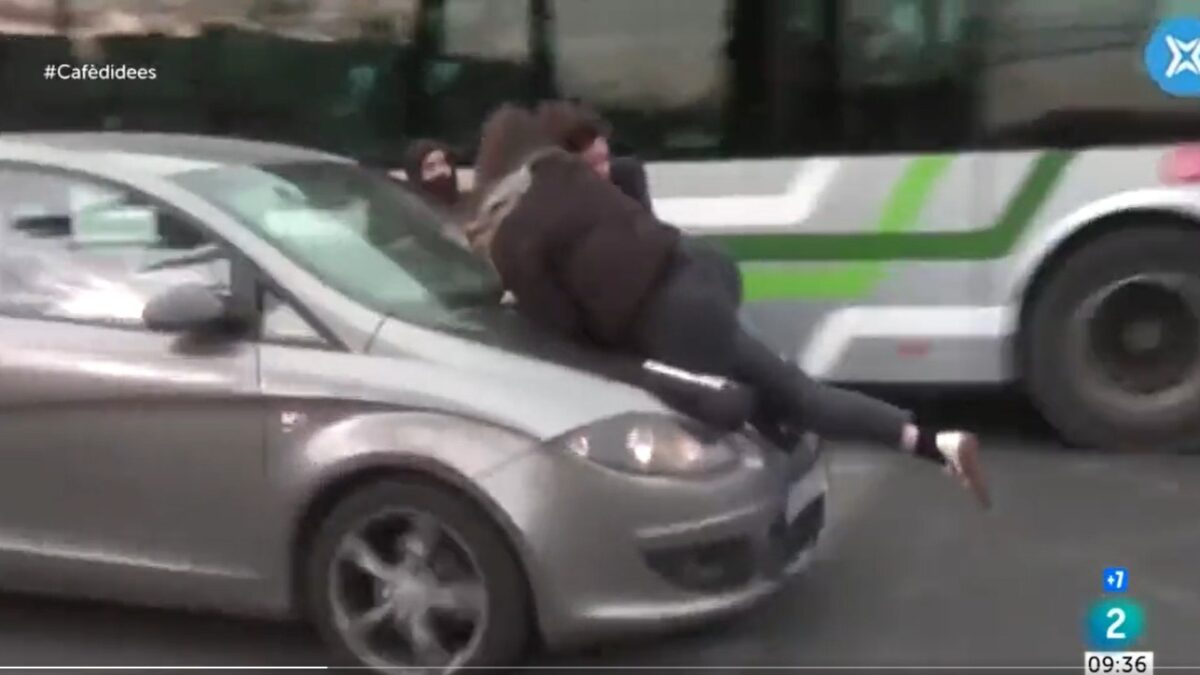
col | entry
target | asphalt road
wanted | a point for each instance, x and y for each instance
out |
(909, 575)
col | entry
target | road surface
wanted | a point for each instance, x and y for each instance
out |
(910, 574)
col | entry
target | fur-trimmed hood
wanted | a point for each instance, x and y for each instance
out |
(500, 199)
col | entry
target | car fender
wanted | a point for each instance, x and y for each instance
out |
(337, 458)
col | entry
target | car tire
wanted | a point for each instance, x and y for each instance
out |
(1062, 379)
(507, 631)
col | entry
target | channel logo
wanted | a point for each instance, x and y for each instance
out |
(1114, 624)
(1173, 56)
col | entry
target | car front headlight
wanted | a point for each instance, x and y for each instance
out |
(651, 445)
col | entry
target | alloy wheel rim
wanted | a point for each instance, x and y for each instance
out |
(407, 593)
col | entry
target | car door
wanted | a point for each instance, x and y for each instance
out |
(128, 459)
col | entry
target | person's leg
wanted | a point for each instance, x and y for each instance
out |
(717, 265)
(687, 324)
(840, 414)
(694, 380)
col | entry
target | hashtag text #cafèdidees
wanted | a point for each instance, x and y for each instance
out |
(68, 72)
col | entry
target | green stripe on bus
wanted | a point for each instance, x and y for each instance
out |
(900, 213)
(843, 281)
(867, 253)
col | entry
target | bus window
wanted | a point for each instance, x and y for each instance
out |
(481, 57)
(1167, 9)
(899, 60)
(352, 57)
(655, 68)
(221, 68)
(805, 112)
(1070, 73)
(487, 30)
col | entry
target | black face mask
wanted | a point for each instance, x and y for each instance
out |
(443, 189)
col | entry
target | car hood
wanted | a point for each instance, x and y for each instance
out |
(512, 374)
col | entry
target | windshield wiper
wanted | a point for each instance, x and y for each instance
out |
(471, 299)
(205, 254)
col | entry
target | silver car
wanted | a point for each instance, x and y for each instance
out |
(258, 379)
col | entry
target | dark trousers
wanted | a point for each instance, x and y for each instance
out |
(692, 322)
(717, 267)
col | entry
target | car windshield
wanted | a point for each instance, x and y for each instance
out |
(359, 233)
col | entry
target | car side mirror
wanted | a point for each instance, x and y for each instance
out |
(186, 308)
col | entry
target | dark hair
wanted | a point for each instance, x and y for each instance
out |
(571, 125)
(510, 135)
(418, 150)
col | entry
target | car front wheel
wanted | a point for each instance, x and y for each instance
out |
(405, 574)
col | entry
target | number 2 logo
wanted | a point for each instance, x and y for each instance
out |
(1117, 615)
(1114, 623)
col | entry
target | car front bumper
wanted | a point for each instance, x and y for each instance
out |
(610, 554)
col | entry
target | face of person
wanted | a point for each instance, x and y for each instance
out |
(438, 178)
(434, 166)
(597, 156)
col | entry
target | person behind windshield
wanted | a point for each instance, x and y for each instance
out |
(580, 130)
(429, 168)
(586, 261)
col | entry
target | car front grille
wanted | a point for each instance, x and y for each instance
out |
(709, 567)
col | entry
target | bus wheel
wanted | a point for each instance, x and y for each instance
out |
(1112, 348)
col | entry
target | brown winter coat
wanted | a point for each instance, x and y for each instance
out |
(579, 255)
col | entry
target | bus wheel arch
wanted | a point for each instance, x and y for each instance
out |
(1123, 261)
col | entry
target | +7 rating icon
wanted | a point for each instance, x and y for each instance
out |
(1116, 580)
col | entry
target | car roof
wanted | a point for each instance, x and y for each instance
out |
(161, 153)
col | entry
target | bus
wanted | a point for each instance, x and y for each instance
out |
(919, 192)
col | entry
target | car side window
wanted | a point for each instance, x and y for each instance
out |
(80, 250)
(283, 323)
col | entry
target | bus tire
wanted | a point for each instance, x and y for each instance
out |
(1102, 335)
